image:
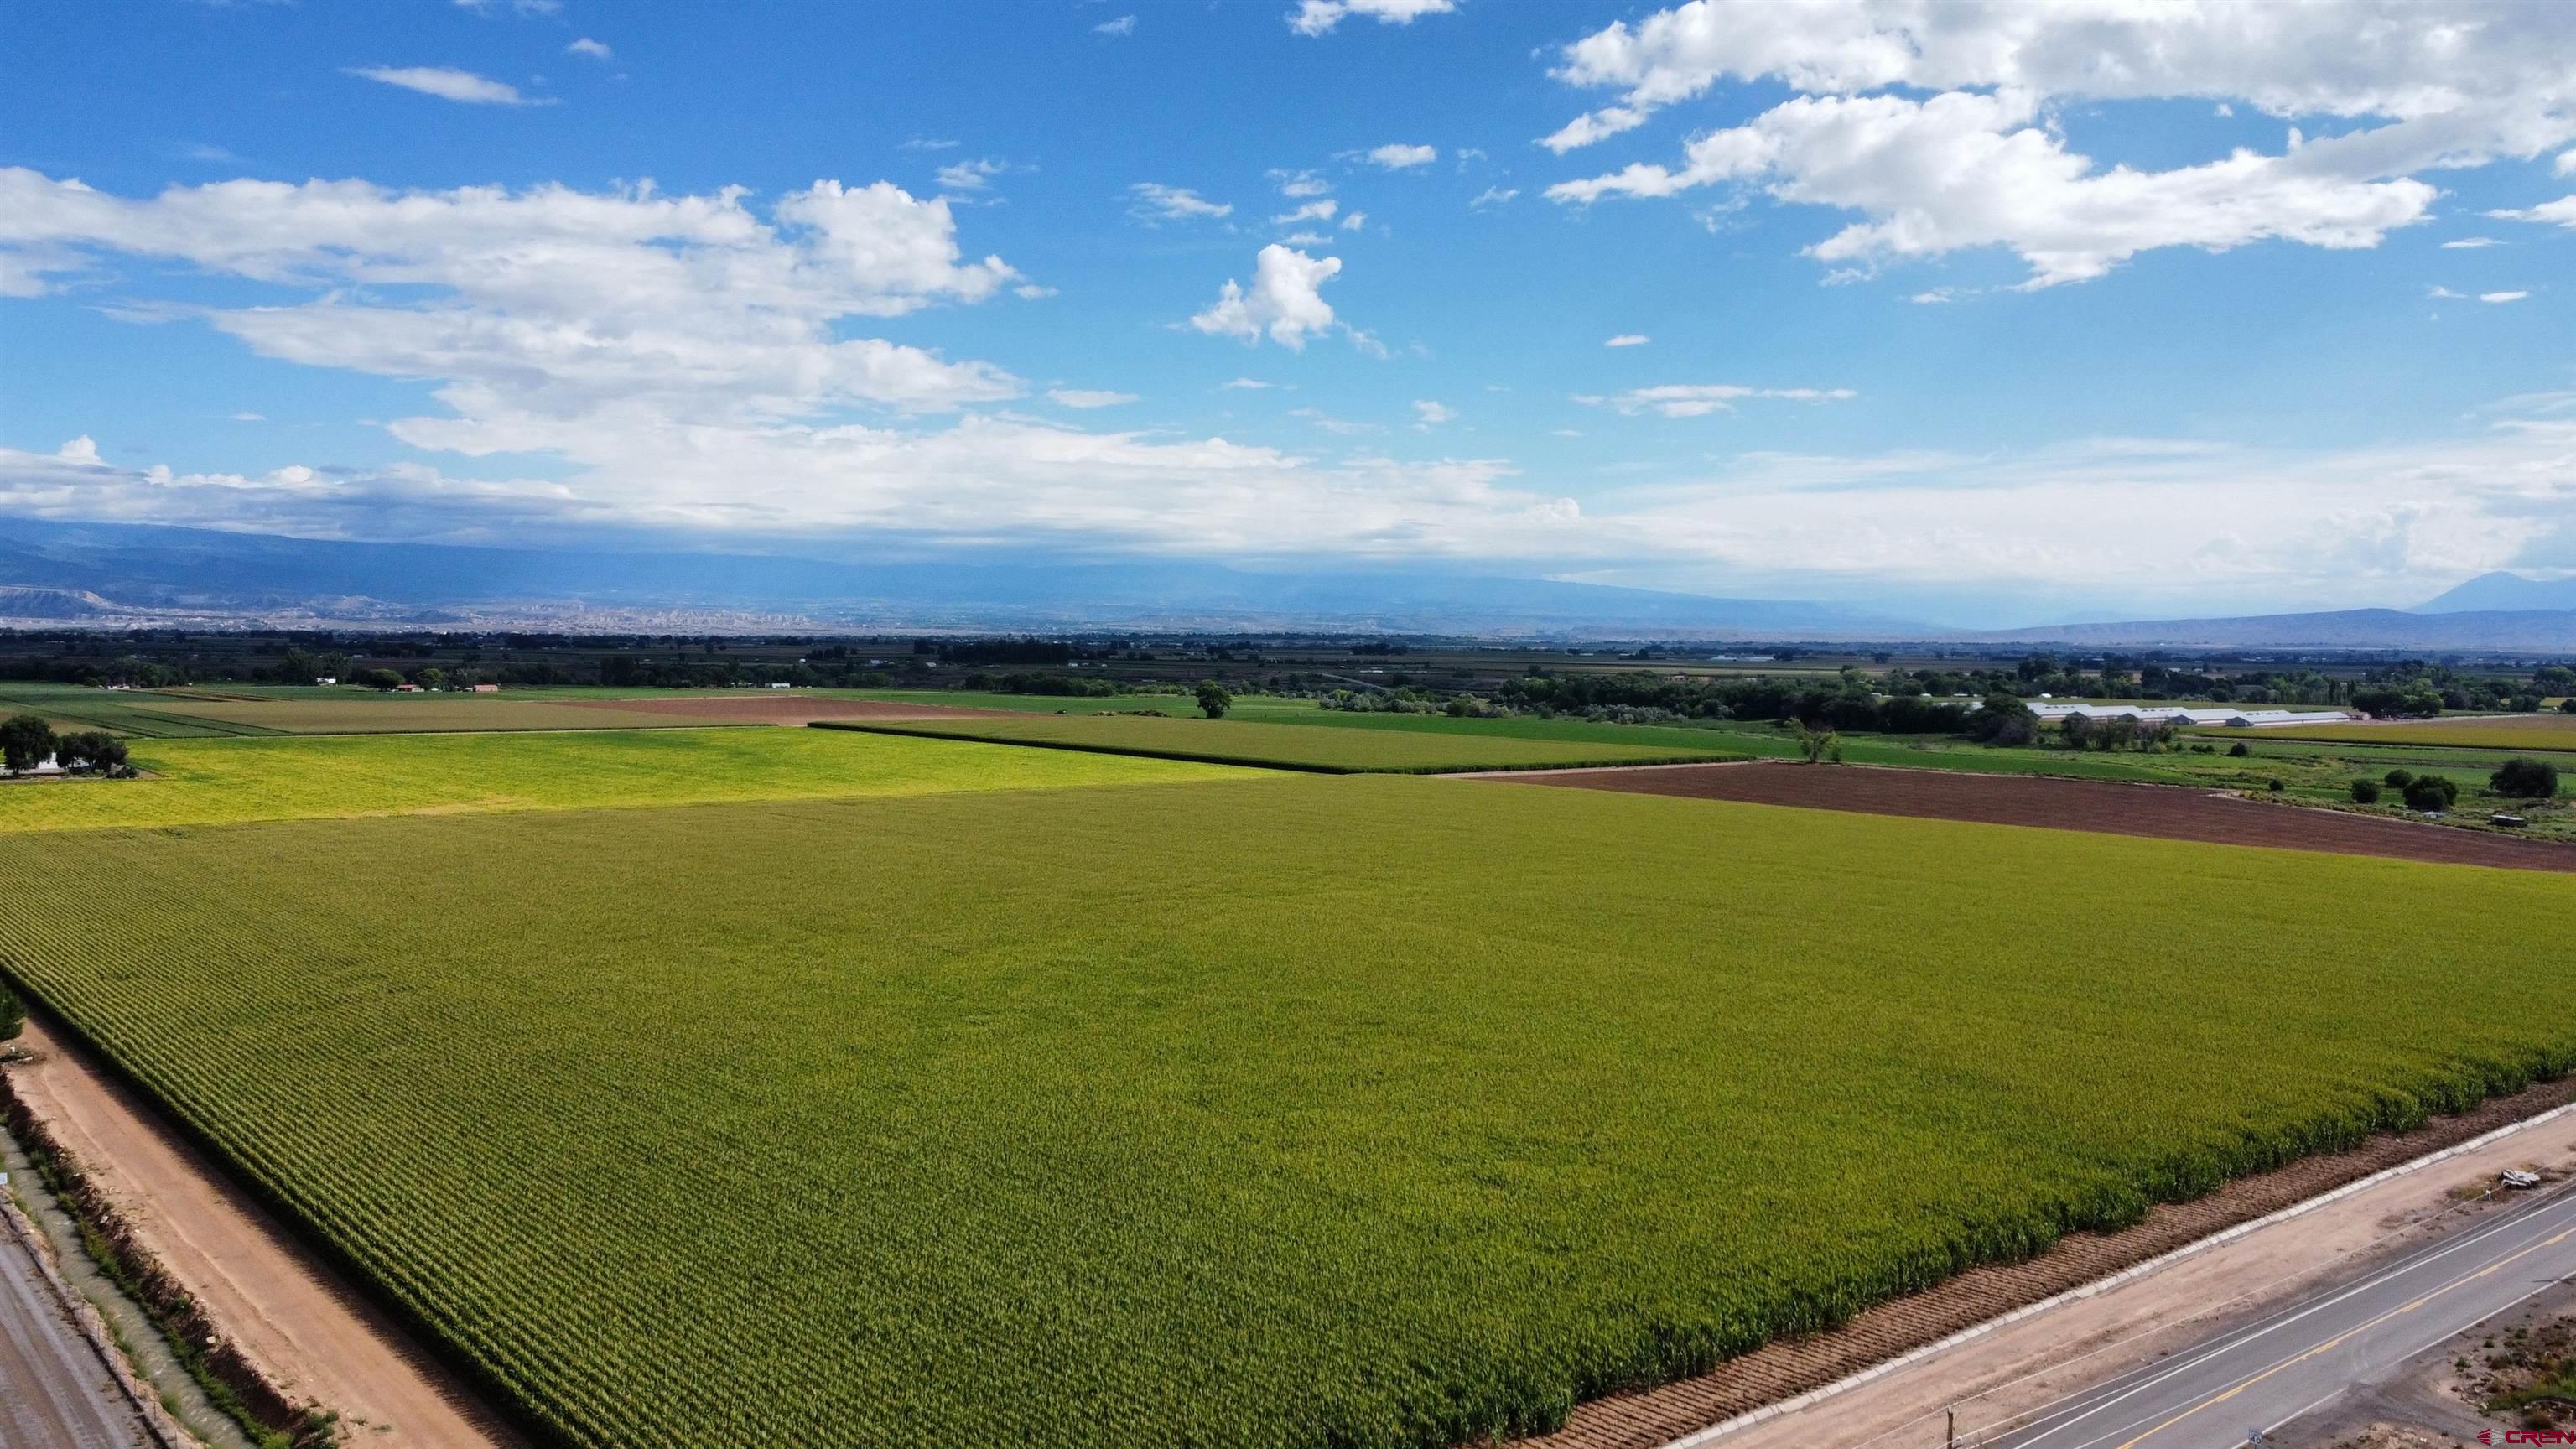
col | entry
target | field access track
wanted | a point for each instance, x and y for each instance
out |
(784, 708)
(2165, 812)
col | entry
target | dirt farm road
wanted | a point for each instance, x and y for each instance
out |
(2165, 812)
(55, 1391)
(314, 1334)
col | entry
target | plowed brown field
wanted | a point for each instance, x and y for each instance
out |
(2166, 812)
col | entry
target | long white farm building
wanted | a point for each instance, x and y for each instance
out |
(2192, 714)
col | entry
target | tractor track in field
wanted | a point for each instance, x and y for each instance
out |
(792, 709)
(2163, 812)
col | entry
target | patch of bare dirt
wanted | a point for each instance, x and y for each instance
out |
(2164, 812)
(787, 709)
(1789, 1368)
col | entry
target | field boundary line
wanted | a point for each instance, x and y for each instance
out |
(2132, 1273)
(85, 1316)
(1204, 757)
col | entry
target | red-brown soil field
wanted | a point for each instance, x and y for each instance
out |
(2166, 812)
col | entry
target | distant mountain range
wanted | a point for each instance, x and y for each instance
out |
(2504, 592)
(128, 574)
(2546, 631)
(147, 570)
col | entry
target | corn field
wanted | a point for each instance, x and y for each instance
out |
(1281, 1111)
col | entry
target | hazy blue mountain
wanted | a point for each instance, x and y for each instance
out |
(198, 569)
(2501, 590)
(2535, 630)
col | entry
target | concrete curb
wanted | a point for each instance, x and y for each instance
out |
(2101, 1285)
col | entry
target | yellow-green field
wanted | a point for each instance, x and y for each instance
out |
(205, 782)
(1299, 746)
(2549, 731)
(1269, 1111)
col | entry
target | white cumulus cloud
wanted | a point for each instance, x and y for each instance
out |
(1628, 339)
(1940, 123)
(1427, 413)
(1395, 156)
(551, 308)
(1285, 302)
(593, 49)
(976, 175)
(2005, 180)
(1151, 201)
(1312, 211)
(2562, 212)
(1318, 17)
(1083, 397)
(1698, 400)
(449, 84)
(1123, 25)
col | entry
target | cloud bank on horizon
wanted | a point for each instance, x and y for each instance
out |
(2225, 289)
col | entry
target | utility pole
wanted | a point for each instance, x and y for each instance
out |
(1951, 1439)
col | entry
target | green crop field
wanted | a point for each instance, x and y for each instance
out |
(1292, 746)
(2495, 732)
(1269, 1111)
(255, 710)
(348, 712)
(203, 782)
(135, 714)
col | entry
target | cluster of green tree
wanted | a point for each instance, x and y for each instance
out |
(2118, 732)
(2420, 792)
(2525, 779)
(635, 671)
(28, 740)
(2117, 677)
(1400, 699)
(95, 673)
(2410, 687)
(2515, 779)
(2421, 690)
(1848, 704)
(1063, 686)
(1005, 651)
(1214, 699)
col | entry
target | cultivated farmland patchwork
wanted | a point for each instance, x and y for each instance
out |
(1270, 1111)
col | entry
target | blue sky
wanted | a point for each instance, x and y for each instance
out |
(2078, 308)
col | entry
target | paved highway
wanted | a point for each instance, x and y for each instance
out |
(54, 1391)
(2263, 1375)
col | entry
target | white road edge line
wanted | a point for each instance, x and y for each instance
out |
(2133, 1272)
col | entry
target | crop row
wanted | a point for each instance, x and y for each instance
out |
(1283, 1111)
